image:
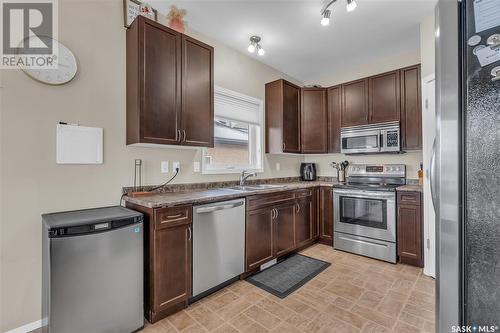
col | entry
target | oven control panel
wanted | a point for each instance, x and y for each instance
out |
(377, 170)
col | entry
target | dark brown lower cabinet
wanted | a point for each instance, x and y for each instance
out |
(410, 235)
(326, 215)
(259, 242)
(284, 229)
(167, 259)
(304, 220)
(278, 224)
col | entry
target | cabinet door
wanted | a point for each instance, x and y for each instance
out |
(197, 123)
(303, 220)
(160, 64)
(172, 266)
(314, 121)
(326, 214)
(384, 97)
(284, 240)
(409, 241)
(355, 103)
(334, 108)
(259, 238)
(411, 108)
(291, 118)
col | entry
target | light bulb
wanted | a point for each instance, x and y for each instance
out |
(326, 18)
(351, 5)
(251, 48)
(261, 51)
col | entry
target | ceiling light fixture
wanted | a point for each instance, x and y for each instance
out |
(351, 5)
(325, 20)
(255, 46)
(326, 13)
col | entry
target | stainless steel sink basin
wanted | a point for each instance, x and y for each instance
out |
(259, 187)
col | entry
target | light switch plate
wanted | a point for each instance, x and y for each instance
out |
(278, 166)
(164, 166)
(176, 165)
(196, 166)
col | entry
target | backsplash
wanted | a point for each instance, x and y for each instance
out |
(410, 159)
(210, 185)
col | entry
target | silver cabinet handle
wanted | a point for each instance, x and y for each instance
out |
(284, 147)
(190, 233)
(432, 176)
(272, 214)
(277, 213)
(183, 136)
(298, 207)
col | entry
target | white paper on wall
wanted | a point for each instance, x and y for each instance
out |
(78, 144)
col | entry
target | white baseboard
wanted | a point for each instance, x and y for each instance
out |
(27, 328)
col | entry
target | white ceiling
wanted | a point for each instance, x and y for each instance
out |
(293, 38)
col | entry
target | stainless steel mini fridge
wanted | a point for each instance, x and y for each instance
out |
(93, 271)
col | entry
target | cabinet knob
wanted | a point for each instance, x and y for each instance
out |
(184, 136)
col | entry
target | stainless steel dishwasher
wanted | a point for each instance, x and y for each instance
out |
(218, 245)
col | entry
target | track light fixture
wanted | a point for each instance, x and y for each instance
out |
(255, 46)
(325, 20)
(326, 13)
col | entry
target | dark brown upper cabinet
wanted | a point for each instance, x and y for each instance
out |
(411, 108)
(355, 103)
(282, 117)
(169, 87)
(384, 97)
(314, 121)
(334, 102)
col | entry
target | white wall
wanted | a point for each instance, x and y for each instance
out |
(368, 68)
(31, 182)
(427, 45)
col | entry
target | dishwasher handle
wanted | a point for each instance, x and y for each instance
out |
(211, 209)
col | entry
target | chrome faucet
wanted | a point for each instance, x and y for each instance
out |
(245, 175)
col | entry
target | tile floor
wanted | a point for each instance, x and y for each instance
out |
(354, 294)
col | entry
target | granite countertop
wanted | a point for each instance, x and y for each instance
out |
(410, 188)
(200, 196)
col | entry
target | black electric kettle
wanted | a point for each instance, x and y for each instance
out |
(308, 171)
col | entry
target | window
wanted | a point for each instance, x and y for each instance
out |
(238, 136)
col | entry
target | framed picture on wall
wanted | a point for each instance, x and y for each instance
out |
(132, 8)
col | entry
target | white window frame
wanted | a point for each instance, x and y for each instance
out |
(233, 169)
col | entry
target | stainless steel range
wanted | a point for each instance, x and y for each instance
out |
(365, 210)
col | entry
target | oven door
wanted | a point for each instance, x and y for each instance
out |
(357, 142)
(365, 213)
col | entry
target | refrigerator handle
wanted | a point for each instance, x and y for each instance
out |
(432, 176)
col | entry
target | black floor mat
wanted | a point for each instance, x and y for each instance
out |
(288, 275)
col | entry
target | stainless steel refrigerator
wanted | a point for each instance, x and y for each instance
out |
(465, 176)
(92, 271)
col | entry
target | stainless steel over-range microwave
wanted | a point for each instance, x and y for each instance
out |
(373, 138)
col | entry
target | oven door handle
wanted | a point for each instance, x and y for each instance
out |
(366, 194)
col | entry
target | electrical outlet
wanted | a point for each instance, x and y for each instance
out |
(196, 166)
(164, 166)
(278, 166)
(176, 165)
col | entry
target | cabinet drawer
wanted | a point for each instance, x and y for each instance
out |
(409, 198)
(303, 193)
(262, 200)
(172, 216)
